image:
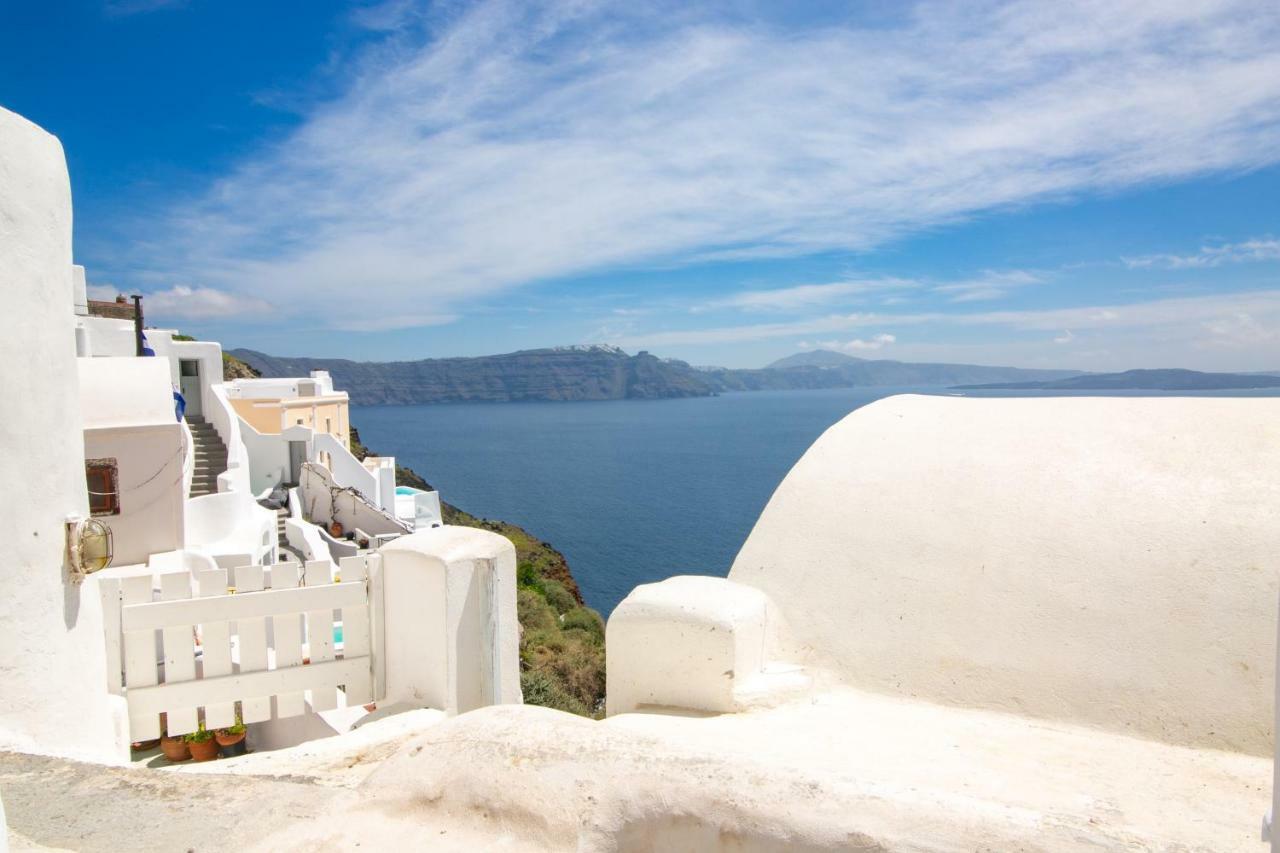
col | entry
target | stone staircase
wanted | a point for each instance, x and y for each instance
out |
(210, 457)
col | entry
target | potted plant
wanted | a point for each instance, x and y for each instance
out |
(174, 748)
(231, 739)
(202, 745)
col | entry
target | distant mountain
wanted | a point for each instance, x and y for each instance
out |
(1152, 380)
(814, 358)
(608, 373)
(561, 373)
(827, 369)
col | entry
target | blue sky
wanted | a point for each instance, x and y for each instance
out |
(1092, 185)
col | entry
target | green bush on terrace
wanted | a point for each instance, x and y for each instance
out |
(561, 647)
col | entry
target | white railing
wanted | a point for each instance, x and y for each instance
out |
(226, 423)
(270, 637)
(325, 501)
(347, 470)
(188, 458)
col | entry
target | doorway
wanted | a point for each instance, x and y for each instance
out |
(297, 455)
(189, 384)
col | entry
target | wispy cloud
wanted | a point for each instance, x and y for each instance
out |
(1259, 249)
(807, 295)
(989, 285)
(859, 344)
(510, 143)
(1190, 317)
(183, 302)
(1239, 331)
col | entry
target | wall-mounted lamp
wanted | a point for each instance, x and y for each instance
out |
(89, 546)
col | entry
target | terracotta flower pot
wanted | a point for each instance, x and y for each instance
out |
(203, 750)
(230, 746)
(227, 739)
(174, 748)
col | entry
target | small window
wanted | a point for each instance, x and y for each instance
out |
(189, 367)
(328, 425)
(102, 478)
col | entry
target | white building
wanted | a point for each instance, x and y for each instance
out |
(177, 625)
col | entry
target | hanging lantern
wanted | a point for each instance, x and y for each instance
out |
(89, 546)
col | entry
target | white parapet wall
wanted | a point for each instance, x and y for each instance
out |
(53, 697)
(451, 633)
(1105, 561)
(693, 643)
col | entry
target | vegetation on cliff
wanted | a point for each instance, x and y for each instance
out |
(234, 368)
(561, 640)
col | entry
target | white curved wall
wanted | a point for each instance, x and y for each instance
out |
(1106, 561)
(53, 658)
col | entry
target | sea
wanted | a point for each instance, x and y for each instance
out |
(631, 491)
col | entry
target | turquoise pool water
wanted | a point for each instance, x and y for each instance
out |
(407, 490)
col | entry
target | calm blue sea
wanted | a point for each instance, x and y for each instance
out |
(631, 491)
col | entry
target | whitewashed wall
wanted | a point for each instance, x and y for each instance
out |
(1105, 561)
(53, 660)
(452, 637)
(268, 457)
(152, 489)
(322, 502)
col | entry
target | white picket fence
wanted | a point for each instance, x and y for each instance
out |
(188, 643)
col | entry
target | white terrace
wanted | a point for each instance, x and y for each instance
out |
(958, 625)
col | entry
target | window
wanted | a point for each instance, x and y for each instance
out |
(328, 425)
(102, 478)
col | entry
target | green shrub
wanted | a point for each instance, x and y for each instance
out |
(200, 735)
(557, 596)
(586, 620)
(539, 688)
(527, 577)
(579, 670)
(533, 611)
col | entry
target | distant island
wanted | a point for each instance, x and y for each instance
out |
(608, 373)
(1151, 380)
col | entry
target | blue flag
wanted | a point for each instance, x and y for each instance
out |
(146, 346)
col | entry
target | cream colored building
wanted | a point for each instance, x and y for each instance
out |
(271, 406)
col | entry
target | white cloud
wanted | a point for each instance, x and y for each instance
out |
(200, 303)
(988, 285)
(102, 292)
(479, 150)
(374, 320)
(858, 344)
(1186, 317)
(1065, 338)
(808, 295)
(1239, 331)
(1212, 256)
